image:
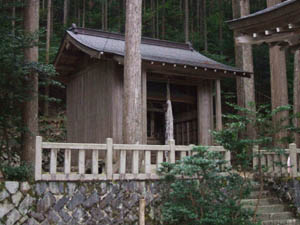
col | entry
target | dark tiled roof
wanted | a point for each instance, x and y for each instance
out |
(151, 49)
(266, 10)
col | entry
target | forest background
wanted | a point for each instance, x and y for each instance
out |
(201, 22)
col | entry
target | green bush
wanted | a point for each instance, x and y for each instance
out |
(23, 172)
(201, 189)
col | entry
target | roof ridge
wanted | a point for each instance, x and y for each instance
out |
(119, 36)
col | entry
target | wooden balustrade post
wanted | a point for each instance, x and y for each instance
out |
(67, 163)
(172, 150)
(135, 162)
(147, 162)
(81, 161)
(95, 159)
(53, 161)
(109, 158)
(293, 159)
(38, 158)
(142, 211)
(255, 159)
(228, 158)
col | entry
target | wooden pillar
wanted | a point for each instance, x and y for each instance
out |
(297, 93)
(218, 106)
(152, 124)
(244, 60)
(279, 89)
(204, 95)
(144, 105)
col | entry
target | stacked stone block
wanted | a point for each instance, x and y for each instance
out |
(78, 202)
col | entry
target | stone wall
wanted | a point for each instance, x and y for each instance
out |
(78, 203)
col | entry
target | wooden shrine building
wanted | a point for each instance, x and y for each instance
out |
(275, 25)
(279, 27)
(90, 63)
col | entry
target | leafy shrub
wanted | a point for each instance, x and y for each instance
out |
(17, 173)
(201, 189)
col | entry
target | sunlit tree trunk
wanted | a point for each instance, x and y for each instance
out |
(132, 116)
(30, 113)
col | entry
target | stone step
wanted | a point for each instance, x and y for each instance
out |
(263, 201)
(281, 222)
(269, 208)
(255, 194)
(275, 216)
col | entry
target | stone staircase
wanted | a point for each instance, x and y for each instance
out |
(271, 211)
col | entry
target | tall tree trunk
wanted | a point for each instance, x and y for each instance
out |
(153, 18)
(186, 20)
(52, 20)
(192, 21)
(297, 93)
(120, 16)
(66, 10)
(132, 120)
(46, 103)
(30, 115)
(102, 15)
(157, 19)
(83, 13)
(106, 15)
(79, 13)
(205, 27)
(163, 20)
(244, 60)
(198, 15)
(221, 26)
(279, 89)
(13, 22)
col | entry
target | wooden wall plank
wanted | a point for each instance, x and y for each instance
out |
(204, 96)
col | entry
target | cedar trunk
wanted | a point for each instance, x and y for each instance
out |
(30, 113)
(163, 20)
(204, 26)
(186, 20)
(83, 13)
(297, 94)
(244, 60)
(46, 103)
(66, 7)
(132, 120)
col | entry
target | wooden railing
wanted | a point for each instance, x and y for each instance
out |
(142, 168)
(277, 163)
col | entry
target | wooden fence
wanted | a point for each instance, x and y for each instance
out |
(276, 164)
(152, 157)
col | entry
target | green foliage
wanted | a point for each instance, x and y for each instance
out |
(201, 189)
(14, 76)
(17, 173)
(233, 137)
(53, 129)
